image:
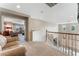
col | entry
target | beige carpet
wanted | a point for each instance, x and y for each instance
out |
(40, 49)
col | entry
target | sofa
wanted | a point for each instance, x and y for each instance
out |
(12, 47)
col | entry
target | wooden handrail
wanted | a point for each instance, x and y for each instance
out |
(63, 33)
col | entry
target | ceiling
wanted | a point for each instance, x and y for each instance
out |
(57, 13)
(51, 4)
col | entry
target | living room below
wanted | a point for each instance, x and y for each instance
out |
(12, 26)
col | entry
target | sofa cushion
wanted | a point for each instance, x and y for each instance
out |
(14, 51)
(11, 39)
(0, 48)
(11, 44)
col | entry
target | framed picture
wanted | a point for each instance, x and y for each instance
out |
(73, 28)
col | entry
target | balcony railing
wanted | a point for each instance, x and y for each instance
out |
(67, 43)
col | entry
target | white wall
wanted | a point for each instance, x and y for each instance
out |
(53, 28)
(64, 13)
(68, 28)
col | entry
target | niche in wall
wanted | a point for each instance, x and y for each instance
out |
(14, 24)
(11, 25)
(11, 15)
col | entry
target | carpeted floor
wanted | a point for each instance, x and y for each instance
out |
(40, 49)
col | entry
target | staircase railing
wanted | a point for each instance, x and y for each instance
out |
(68, 43)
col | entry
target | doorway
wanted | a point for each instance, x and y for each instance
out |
(14, 23)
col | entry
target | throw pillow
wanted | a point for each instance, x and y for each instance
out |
(3, 41)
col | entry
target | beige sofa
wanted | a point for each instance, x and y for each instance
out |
(12, 48)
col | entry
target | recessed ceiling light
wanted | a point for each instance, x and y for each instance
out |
(18, 6)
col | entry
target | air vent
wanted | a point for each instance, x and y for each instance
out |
(51, 4)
